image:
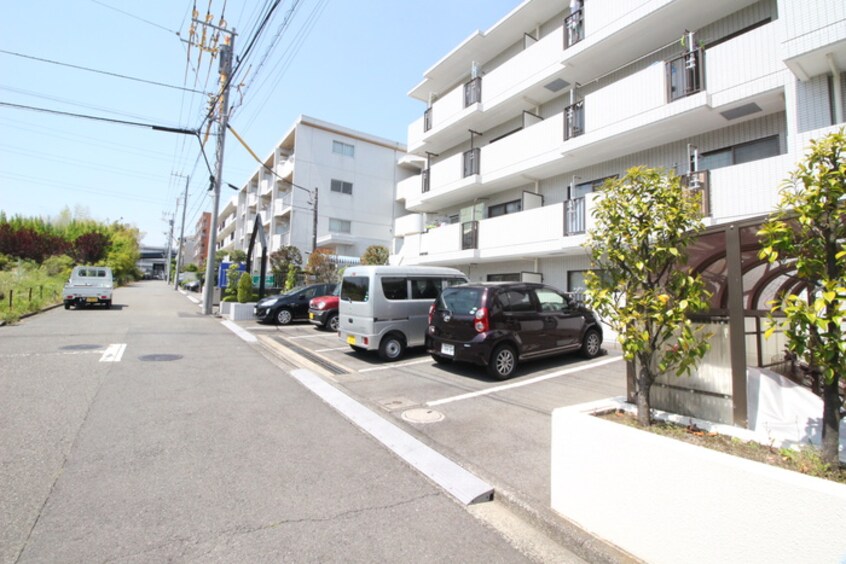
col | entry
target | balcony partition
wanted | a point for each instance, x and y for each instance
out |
(574, 216)
(574, 28)
(469, 235)
(471, 162)
(685, 75)
(473, 92)
(574, 122)
(697, 185)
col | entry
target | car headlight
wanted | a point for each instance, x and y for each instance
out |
(321, 305)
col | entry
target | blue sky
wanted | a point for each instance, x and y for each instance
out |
(350, 63)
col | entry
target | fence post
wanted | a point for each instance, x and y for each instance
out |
(11, 294)
(30, 295)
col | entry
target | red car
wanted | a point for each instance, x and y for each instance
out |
(323, 312)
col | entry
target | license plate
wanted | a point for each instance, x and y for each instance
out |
(310, 315)
(90, 299)
(448, 350)
(351, 340)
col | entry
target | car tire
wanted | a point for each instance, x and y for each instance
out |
(441, 359)
(108, 304)
(67, 305)
(503, 362)
(283, 316)
(591, 344)
(332, 324)
(392, 347)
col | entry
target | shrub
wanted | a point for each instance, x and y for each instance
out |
(245, 288)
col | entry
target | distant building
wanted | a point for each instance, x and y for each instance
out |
(199, 244)
(152, 262)
(354, 174)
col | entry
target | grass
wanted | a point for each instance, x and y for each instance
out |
(806, 461)
(24, 291)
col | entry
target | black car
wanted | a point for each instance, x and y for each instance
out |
(284, 308)
(498, 324)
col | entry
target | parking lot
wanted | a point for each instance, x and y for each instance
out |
(501, 430)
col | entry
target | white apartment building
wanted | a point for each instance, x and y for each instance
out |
(525, 120)
(354, 174)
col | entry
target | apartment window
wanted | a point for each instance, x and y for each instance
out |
(740, 153)
(341, 187)
(506, 208)
(340, 225)
(584, 188)
(343, 149)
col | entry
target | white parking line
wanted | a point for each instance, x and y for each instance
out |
(504, 387)
(328, 350)
(235, 328)
(113, 353)
(308, 336)
(392, 366)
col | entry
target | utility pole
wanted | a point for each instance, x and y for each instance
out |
(225, 74)
(169, 241)
(181, 255)
(314, 224)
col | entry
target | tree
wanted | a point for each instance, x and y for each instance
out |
(233, 277)
(375, 254)
(291, 278)
(123, 253)
(90, 248)
(808, 229)
(245, 288)
(643, 225)
(282, 259)
(321, 267)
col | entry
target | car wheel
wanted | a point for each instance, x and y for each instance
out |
(109, 304)
(503, 362)
(391, 347)
(592, 343)
(332, 323)
(283, 316)
(67, 305)
(441, 359)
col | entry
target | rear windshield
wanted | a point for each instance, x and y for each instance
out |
(355, 288)
(461, 301)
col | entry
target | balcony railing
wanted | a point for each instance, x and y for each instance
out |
(471, 161)
(469, 235)
(698, 185)
(574, 216)
(427, 119)
(685, 75)
(574, 28)
(473, 92)
(574, 120)
(424, 178)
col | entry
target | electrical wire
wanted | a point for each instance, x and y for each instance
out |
(154, 126)
(106, 73)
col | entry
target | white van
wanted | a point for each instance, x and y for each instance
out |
(386, 308)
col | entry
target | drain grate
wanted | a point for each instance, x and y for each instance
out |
(159, 357)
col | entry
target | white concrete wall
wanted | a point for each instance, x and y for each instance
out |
(667, 501)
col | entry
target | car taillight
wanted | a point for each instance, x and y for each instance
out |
(431, 312)
(481, 323)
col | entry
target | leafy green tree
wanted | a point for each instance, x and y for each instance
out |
(321, 266)
(245, 288)
(808, 229)
(123, 253)
(283, 258)
(375, 254)
(291, 278)
(643, 225)
(233, 277)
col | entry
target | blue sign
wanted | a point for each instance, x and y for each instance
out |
(223, 272)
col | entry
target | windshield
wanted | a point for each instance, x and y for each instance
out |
(461, 301)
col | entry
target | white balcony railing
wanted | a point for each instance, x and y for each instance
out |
(408, 225)
(409, 188)
(748, 189)
(282, 205)
(443, 239)
(732, 68)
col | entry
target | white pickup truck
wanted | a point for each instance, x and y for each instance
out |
(89, 285)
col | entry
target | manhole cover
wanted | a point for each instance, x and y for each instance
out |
(159, 357)
(80, 347)
(422, 415)
(394, 404)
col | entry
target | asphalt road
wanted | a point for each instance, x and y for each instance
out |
(150, 433)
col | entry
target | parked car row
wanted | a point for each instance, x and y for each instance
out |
(496, 325)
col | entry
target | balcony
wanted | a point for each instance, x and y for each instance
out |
(574, 26)
(252, 200)
(408, 225)
(536, 232)
(473, 92)
(813, 29)
(574, 121)
(471, 163)
(746, 190)
(282, 205)
(278, 240)
(286, 169)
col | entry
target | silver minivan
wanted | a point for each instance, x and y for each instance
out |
(386, 308)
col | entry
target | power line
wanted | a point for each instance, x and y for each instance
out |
(107, 73)
(154, 24)
(154, 126)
